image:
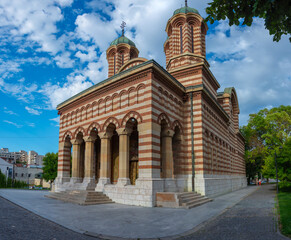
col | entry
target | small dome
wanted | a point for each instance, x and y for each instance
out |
(122, 39)
(186, 10)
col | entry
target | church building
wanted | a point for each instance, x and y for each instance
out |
(147, 130)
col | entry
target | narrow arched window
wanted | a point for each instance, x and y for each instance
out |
(192, 39)
(181, 39)
(114, 63)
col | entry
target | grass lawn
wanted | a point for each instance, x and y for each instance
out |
(284, 199)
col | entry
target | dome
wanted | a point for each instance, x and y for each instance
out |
(186, 10)
(122, 39)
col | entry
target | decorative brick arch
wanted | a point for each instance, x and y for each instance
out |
(79, 129)
(92, 126)
(163, 116)
(175, 124)
(129, 115)
(67, 133)
(110, 120)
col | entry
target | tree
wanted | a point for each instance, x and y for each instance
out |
(269, 132)
(50, 162)
(276, 13)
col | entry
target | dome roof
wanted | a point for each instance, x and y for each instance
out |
(122, 39)
(186, 10)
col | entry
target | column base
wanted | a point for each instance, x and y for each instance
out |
(101, 183)
(76, 180)
(123, 181)
(89, 183)
(170, 185)
(59, 183)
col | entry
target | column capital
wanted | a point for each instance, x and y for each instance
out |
(124, 131)
(106, 135)
(65, 144)
(89, 139)
(168, 133)
(76, 141)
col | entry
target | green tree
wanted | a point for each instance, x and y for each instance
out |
(2, 180)
(50, 162)
(269, 132)
(276, 13)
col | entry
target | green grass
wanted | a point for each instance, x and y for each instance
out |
(284, 199)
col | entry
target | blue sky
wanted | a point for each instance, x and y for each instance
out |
(52, 49)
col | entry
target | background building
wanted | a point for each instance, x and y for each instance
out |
(6, 168)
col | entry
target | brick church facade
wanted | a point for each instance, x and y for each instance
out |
(146, 130)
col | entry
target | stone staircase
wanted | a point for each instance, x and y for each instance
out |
(191, 199)
(81, 197)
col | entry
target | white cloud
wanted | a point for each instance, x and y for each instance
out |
(33, 111)
(65, 3)
(243, 57)
(30, 124)
(9, 111)
(13, 123)
(56, 120)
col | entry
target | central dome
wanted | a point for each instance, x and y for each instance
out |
(186, 10)
(122, 39)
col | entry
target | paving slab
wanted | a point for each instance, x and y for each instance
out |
(123, 221)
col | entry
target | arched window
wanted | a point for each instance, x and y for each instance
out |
(181, 39)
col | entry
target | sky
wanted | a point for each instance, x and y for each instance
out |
(51, 50)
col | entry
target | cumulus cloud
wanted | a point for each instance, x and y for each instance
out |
(243, 57)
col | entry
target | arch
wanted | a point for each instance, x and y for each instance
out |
(114, 101)
(92, 126)
(132, 62)
(112, 120)
(83, 113)
(175, 124)
(163, 116)
(99, 107)
(140, 92)
(130, 95)
(108, 104)
(67, 133)
(79, 130)
(129, 115)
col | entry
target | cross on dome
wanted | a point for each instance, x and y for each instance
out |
(186, 3)
(122, 26)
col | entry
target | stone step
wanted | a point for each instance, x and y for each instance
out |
(193, 201)
(196, 204)
(189, 198)
(81, 197)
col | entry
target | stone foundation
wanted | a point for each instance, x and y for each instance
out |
(215, 185)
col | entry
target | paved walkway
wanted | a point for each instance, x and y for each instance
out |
(252, 218)
(121, 220)
(17, 223)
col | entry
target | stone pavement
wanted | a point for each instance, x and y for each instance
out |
(17, 223)
(252, 218)
(123, 221)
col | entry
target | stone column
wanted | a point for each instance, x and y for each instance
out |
(76, 161)
(167, 153)
(64, 164)
(105, 161)
(124, 156)
(89, 180)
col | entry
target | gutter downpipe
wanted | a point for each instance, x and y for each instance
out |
(192, 142)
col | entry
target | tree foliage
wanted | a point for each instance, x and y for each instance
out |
(50, 162)
(268, 133)
(276, 13)
(9, 183)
